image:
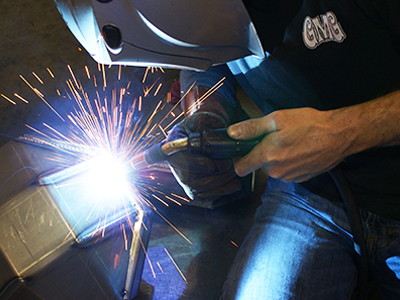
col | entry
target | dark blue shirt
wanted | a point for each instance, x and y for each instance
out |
(326, 55)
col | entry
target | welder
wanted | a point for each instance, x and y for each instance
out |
(326, 74)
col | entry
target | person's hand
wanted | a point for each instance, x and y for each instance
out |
(201, 177)
(298, 144)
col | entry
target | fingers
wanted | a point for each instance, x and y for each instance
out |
(250, 162)
(287, 171)
(252, 128)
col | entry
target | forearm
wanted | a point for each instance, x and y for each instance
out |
(301, 143)
(375, 123)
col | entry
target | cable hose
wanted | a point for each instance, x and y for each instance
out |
(357, 230)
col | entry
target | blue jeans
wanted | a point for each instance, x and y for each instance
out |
(301, 247)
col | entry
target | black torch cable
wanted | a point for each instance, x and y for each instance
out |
(357, 229)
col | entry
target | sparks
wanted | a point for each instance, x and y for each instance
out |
(109, 123)
(41, 97)
(176, 266)
(50, 72)
(159, 266)
(8, 99)
(119, 126)
(37, 77)
(20, 98)
(158, 89)
(87, 72)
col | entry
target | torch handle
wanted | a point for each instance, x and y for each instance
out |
(216, 144)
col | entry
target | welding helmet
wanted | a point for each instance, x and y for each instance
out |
(184, 34)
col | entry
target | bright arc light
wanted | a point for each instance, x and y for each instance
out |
(107, 179)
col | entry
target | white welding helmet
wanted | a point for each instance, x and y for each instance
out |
(184, 34)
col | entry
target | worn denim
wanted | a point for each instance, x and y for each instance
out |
(300, 247)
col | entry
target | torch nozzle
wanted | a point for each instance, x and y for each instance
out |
(138, 162)
(158, 153)
(213, 143)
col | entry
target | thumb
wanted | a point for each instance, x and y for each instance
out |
(251, 129)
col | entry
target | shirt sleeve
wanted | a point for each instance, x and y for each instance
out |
(209, 78)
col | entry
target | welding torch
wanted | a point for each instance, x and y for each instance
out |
(213, 143)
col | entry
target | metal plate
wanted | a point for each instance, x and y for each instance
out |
(58, 240)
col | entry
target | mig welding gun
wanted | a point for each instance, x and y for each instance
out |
(213, 143)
